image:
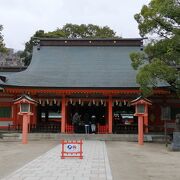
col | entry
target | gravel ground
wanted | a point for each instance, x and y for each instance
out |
(129, 161)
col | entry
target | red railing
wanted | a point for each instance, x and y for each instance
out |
(102, 129)
(69, 129)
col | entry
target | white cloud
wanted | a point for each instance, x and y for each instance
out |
(21, 18)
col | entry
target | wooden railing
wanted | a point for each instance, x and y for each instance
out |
(69, 129)
(33, 128)
(161, 128)
(102, 129)
(46, 128)
(17, 128)
(125, 129)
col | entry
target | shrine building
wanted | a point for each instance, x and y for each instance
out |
(84, 76)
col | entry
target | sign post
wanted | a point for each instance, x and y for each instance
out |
(71, 149)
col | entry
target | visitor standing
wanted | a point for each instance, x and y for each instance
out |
(86, 120)
(75, 121)
(93, 123)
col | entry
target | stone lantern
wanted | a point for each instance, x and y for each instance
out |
(141, 110)
(25, 102)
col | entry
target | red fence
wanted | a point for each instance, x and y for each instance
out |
(72, 149)
(69, 129)
(102, 129)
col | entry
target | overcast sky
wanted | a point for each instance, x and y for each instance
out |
(21, 18)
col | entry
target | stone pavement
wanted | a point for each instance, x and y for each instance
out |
(49, 166)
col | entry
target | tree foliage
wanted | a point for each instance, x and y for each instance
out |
(68, 31)
(2, 45)
(26, 55)
(160, 61)
(83, 31)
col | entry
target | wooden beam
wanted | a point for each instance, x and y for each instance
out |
(110, 114)
(63, 113)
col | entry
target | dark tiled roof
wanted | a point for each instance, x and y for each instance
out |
(78, 66)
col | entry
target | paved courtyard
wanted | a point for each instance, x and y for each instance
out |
(94, 165)
(13, 155)
(102, 160)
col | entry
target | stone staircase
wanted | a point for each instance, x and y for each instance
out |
(10, 136)
(103, 137)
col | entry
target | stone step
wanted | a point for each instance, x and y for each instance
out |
(103, 137)
(10, 137)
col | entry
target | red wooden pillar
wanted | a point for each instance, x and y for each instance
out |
(15, 114)
(63, 113)
(29, 124)
(110, 114)
(140, 130)
(25, 128)
(67, 118)
(34, 115)
(146, 123)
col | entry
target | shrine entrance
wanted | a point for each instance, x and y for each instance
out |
(48, 118)
(124, 120)
(88, 113)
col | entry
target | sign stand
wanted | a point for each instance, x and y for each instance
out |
(71, 149)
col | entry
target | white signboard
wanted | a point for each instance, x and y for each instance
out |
(72, 148)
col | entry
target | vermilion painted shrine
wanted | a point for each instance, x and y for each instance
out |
(92, 76)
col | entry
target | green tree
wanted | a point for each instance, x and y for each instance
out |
(68, 31)
(160, 60)
(87, 31)
(26, 55)
(2, 45)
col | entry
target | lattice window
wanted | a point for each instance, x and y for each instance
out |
(5, 112)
